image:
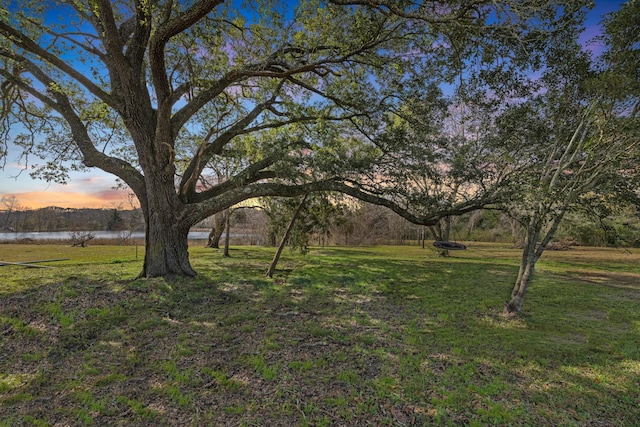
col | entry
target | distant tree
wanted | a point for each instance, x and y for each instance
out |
(602, 221)
(227, 234)
(451, 159)
(10, 204)
(324, 211)
(116, 222)
(132, 219)
(365, 224)
(223, 221)
(279, 212)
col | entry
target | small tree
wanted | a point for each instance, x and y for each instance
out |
(286, 236)
(10, 204)
(115, 221)
(317, 217)
(581, 139)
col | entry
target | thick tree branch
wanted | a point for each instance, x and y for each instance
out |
(439, 13)
(110, 33)
(235, 182)
(275, 67)
(250, 191)
(198, 162)
(24, 42)
(135, 35)
(60, 102)
(161, 37)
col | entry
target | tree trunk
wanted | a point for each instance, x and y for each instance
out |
(525, 274)
(530, 256)
(534, 245)
(441, 232)
(166, 246)
(216, 231)
(283, 242)
(166, 230)
(227, 233)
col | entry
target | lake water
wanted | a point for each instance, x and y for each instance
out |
(116, 235)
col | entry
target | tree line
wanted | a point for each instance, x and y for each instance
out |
(325, 222)
(51, 219)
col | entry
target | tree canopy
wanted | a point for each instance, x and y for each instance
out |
(580, 130)
(297, 98)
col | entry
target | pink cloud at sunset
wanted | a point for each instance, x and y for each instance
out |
(89, 189)
(71, 199)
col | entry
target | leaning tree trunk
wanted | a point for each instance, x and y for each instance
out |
(283, 242)
(534, 246)
(527, 267)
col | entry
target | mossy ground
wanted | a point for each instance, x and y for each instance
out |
(341, 336)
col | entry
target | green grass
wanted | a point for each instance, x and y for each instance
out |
(341, 336)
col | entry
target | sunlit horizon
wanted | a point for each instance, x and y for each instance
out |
(92, 189)
(107, 199)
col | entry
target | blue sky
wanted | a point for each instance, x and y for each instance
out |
(95, 188)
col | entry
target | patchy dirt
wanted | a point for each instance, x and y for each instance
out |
(85, 352)
(606, 278)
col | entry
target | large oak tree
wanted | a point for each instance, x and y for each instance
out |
(152, 90)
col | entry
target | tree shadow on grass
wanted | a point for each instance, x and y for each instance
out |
(357, 340)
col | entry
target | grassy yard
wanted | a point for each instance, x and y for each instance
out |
(340, 337)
